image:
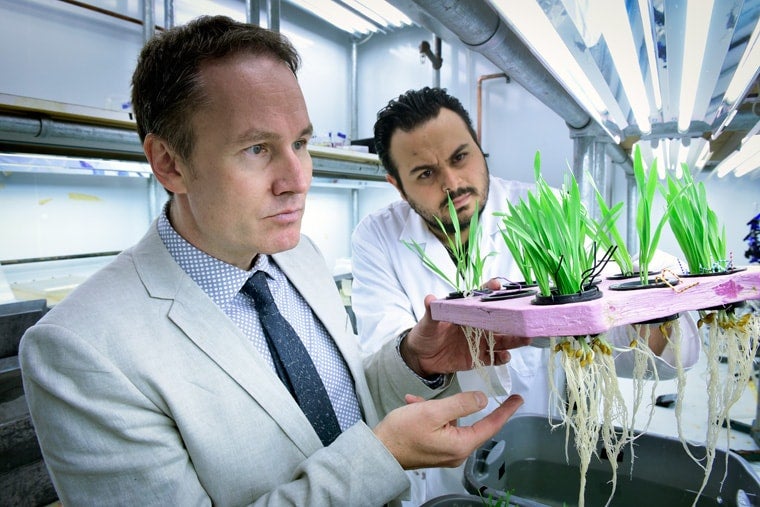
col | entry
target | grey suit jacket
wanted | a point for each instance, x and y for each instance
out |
(143, 392)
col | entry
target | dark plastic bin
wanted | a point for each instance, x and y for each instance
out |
(530, 460)
(462, 500)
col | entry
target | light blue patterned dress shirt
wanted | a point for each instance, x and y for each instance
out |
(222, 283)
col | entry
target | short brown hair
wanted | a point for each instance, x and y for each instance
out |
(165, 85)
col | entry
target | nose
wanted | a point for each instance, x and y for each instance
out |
(293, 173)
(449, 180)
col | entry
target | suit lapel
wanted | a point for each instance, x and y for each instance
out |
(213, 332)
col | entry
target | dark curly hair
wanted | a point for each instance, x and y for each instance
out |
(409, 111)
(166, 89)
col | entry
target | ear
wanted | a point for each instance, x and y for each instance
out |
(165, 163)
(390, 179)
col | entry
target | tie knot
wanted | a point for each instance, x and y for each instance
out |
(256, 288)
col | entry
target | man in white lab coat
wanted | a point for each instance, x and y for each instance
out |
(429, 149)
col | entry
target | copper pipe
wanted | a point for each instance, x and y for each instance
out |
(107, 12)
(480, 96)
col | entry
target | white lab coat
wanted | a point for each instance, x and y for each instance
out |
(388, 291)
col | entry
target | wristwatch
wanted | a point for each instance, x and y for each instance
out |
(436, 381)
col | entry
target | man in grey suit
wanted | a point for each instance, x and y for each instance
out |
(153, 383)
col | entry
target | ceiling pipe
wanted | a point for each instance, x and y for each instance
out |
(252, 12)
(273, 15)
(480, 100)
(434, 57)
(169, 13)
(149, 14)
(481, 29)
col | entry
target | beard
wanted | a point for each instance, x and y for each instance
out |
(442, 213)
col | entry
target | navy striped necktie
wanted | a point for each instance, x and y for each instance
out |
(292, 361)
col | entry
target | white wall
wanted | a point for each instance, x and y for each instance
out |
(59, 52)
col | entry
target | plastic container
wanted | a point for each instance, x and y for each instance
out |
(461, 500)
(531, 461)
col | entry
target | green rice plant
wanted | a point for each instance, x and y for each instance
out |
(607, 234)
(500, 501)
(549, 231)
(695, 225)
(519, 255)
(466, 254)
(649, 236)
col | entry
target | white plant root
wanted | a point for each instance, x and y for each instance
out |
(475, 336)
(734, 338)
(592, 404)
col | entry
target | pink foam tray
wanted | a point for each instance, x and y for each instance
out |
(520, 317)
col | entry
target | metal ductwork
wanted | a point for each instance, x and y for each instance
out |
(25, 133)
(481, 29)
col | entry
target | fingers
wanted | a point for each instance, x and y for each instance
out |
(500, 357)
(493, 422)
(410, 398)
(504, 342)
(493, 284)
(428, 299)
(423, 434)
(459, 405)
(464, 440)
(426, 324)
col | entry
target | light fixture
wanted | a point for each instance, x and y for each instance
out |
(530, 22)
(660, 153)
(379, 11)
(742, 161)
(670, 154)
(697, 146)
(55, 164)
(704, 155)
(674, 71)
(356, 16)
(742, 80)
(752, 160)
(695, 38)
(617, 31)
(338, 16)
(681, 159)
(645, 10)
(754, 130)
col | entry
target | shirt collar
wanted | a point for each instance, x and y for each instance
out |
(219, 280)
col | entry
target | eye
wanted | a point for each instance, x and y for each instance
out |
(256, 149)
(425, 174)
(460, 156)
(300, 144)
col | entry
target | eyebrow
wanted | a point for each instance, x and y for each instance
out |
(265, 135)
(425, 167)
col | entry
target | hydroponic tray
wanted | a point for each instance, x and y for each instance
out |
(521, 317)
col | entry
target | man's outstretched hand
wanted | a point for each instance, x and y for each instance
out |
(424, 433)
